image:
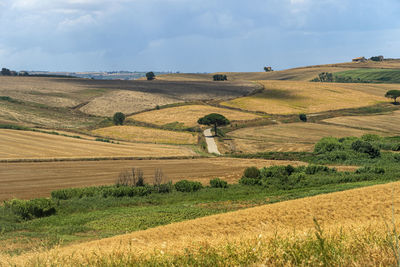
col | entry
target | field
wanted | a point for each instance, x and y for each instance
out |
(22, 145)
(31, 180)
(288, 137)
(353, 232)
(388, 123)
(188, 115)
(372, 75)
(105, 97)
(149, 135)
(288, 97)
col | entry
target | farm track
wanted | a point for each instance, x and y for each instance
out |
(38, 179)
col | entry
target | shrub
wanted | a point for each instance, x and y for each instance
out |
(328, 144)
(164, 188)
(396, 157)
(368, 169)
(218, 183)
(119, 118)
(365, 147)
(249, 181)
(313, 169)
(371, 137)
(188, 186)
(303, 117)
(252, 172)
(30, 209)
(220, 77)
(396, 147)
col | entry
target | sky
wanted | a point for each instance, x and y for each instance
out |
(193, 35)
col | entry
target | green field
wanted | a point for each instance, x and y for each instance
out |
(371, 75)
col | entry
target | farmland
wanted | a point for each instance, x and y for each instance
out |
(288, 97)
(188, 115)
(288, 137)
(388, 123)
(372, 75)
(44, 177)
(29, 145)
(360, 215)
(142, 134)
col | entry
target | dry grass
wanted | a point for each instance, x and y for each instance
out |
(354, 215)
(34, 145)
(287, 97)
(389, 123)
(149, 135)
(188, 115)
(288, 137)
(37, 179)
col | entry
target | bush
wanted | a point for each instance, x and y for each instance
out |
(368, 169)
(30, 209)
(249, 181)
(188, 186)
(328, 144)
(396, 157)
(220, 77)
(164, 188)
(365, 147)
(218, 183)
(252, 172)
(119, 118)
(303, 117)
(150, 76)
(313, 169)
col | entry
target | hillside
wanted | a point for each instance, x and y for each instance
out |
(358, 214)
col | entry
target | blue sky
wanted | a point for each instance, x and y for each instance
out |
(193, 35)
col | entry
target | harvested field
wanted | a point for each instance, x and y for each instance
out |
(105, 97)
(19, 145)
(288, 137)
(388, 123)
(358, 214)
(287, 97)
(38, 179)
(149, 135)
(188, 115)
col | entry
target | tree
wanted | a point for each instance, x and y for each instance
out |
(268, 69)
(214, 119)
(303, 117)
(119, 118)
(5, 72)
(220, 77)
(394, 94)
(150, 76)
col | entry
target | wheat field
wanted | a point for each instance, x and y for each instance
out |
(188, 115)
(358, 214)
(288, 137)
(19, 145)
(291, 97)
(149, 135)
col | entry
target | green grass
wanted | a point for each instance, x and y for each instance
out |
(371, 75)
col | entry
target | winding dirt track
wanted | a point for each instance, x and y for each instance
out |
(38, 179)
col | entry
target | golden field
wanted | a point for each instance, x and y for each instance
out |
(37, 179)
(149, 135)
(291, 97)
(20, 145)
(288, 137)
(188, 115)
(389, 123)
(353, 220)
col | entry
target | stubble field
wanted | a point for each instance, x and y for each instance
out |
(288, 137)
(38, 179)
(290, 97)
(149, 135)
(188, 115)
(22, 145)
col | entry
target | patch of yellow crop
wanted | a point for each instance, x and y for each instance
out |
(188, 115)
(291, 97)
(148, 135)
(356, 213)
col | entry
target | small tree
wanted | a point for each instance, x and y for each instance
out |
(220, 77)
(214, 119)
(5, 72)
(394, 94)
(150, 76)
(268, 69)
(303, 117)
(119, 118)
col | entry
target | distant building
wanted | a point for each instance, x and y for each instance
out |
(359, 59)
